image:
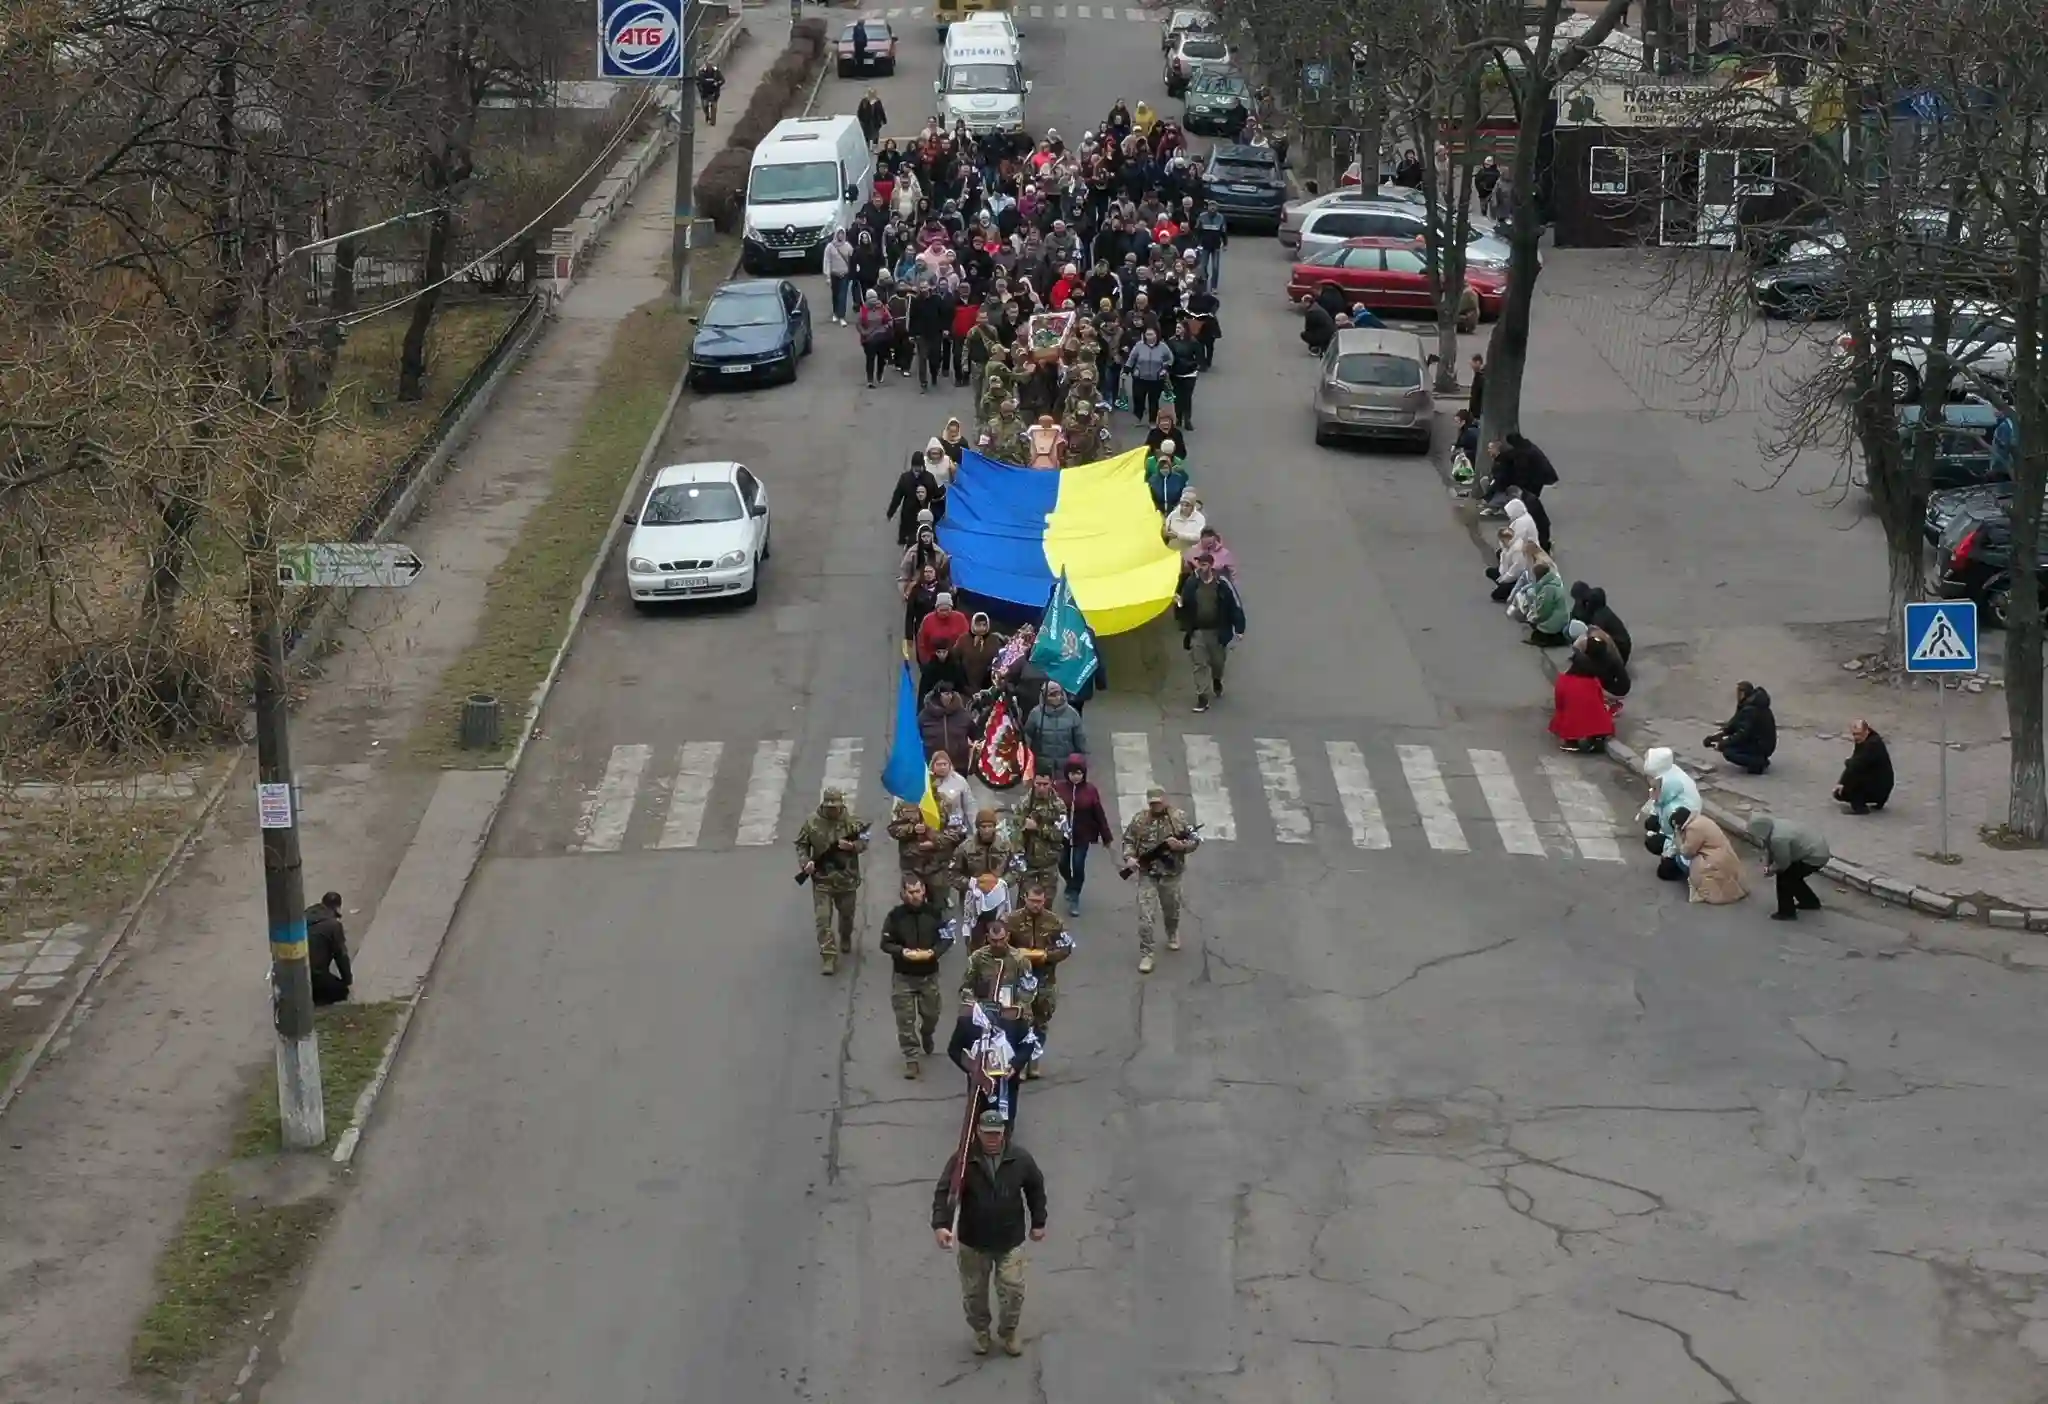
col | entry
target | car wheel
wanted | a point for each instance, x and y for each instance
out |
(753, 592)
(767, 546)
(1323, 437)
(790, 379)
(845, 70)
(1998, 607)
(1905, 383)
(890, 71)
(1422, 444)
(810, 339)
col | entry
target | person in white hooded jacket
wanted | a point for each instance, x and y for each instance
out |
(1515, 540)
(1670, 789)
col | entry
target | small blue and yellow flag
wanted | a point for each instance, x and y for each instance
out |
(906, 776)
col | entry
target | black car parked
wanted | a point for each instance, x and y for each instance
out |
(1974, 560)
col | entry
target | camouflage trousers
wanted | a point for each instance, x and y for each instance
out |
(823, 905)
(1158, 896)
(1043, 1003)
(918, 1003)
(1007, 1269)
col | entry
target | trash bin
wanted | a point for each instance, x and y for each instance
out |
(479, 721)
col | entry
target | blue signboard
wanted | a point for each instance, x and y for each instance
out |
(1941, 637)
(640, 38)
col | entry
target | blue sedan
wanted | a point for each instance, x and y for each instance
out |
(750, 332)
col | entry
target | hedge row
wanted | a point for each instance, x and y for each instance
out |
(721, 194)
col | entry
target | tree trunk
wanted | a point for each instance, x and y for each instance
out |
(412, 358)
(2027, 808)
(1702, 34)
(1507, 354)
(341, 292)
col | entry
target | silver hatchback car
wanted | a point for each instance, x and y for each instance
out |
(1374, 384)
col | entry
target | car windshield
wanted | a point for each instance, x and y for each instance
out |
(1203, 47)
(686, 504)
(1378, 370)
(802, 184)
(874, 29)
(983, 78)
(1220, 85)
(1230, 168)
(749, 309)
(1810, 251)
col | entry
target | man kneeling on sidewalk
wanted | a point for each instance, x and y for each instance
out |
(327, 951)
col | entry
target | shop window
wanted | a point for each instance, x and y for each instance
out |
(1607, 171)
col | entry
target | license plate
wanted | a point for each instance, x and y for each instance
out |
(734, 370)
(684, 582)
(792, 253)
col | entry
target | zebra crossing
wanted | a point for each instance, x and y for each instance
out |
(713, 795)
(1115, 14)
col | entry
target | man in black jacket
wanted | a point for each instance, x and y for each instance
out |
(1211, 618)
(327, 951)
(914, 936)
(1000, 1187)
(1750, 736)
(930, 320)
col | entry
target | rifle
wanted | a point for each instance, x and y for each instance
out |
(833, 861)
(1157, 851)
(960, 1152)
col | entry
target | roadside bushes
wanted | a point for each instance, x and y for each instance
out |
(721, 193)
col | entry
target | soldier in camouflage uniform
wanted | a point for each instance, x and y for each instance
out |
(1088, 437)
(829, 846)
(925, 852)
(1042, 832)
(1043, 939)
(998, 970)
(985, 851)
(1008, 441)
(1157, 824)
(998, 383)
(914, 937)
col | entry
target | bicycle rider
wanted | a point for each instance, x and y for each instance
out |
(710, 82)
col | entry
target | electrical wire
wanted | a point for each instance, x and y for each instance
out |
(349, 319)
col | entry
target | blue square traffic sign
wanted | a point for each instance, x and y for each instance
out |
(1941, 637)
(640, 38)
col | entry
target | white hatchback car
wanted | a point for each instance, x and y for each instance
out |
(702, 533)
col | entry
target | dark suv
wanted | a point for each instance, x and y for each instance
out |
(1247, 184)
(1974, 560)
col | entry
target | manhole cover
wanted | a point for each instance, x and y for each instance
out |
(1416, 1125)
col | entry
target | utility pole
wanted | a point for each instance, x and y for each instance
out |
(686, 158)
(301, 1107)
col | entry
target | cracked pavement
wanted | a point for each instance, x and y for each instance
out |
(1407, 1126)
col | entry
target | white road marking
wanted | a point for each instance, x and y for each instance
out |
(1356, 794)
(1205, 785)
(1059, 12)
(1081, 12)
(1038, 12)
(609, 808)
(763, 805)
(1432, 799)
(1134, 16)
(1517, 832)
(1133, 774)
(842, 770)
(1283, 790)
(696, 767)
(1586, 814)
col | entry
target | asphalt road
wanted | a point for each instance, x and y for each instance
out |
(1447, 1099)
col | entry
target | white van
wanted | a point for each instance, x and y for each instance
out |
(982, 80)
(807, 179)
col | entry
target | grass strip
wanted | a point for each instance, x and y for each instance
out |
(233, 1251)
(526, 609)
(220, 1273)
(352, 1039)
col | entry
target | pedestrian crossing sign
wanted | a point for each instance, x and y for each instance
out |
(1941, 637)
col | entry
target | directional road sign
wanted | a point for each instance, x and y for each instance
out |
(352, 565)
(1941, 637)
(640, 38)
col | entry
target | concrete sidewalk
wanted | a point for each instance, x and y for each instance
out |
(138, 1096)
(1725, 571)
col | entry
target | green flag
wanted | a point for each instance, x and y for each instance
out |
(1066, 645)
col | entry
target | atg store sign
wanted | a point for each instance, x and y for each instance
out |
(640, 38)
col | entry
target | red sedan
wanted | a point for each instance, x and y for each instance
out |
(1389, 275)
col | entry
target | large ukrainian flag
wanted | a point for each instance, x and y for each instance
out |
(1012, 532)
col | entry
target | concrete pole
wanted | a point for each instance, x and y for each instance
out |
(300, 1103)
(686, 158)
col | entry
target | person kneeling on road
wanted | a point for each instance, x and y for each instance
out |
(1792, 854)
(1867, 777)
(1671, 790)
(1750, 736)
